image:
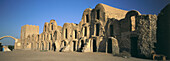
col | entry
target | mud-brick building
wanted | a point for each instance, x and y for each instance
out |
(102, 29)
(114, 30)
(28, 33)
(69, 37)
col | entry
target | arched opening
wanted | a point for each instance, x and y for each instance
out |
(45, 28)
(134, 47)
(133, 23)
(55, 35)
(87, 18)
(75, 34)
(54, 46)
(85, 32)
(64, 43)
(97, 29)
(130, 16)
(94, 45)
(111, 31)
(38, 37)
(109, 46)
(74, 45)
(66, 33)
(49, 46)
(7, 41)
(82, 45)
(51, 26)
(98, 14)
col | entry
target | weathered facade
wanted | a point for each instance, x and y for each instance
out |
(102, 29)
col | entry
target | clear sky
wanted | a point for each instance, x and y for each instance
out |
(16, 13)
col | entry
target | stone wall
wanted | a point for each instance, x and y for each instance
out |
(146, 29)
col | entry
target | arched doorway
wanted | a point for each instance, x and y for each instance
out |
(49, 46)
(11, 45)
(109, 46)
(94, 46)
(82, 45)
(74, 45)
(54, 47)
(134, 50)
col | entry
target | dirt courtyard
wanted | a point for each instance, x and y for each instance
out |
(26, 55)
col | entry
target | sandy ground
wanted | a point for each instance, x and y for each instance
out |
(20, 55)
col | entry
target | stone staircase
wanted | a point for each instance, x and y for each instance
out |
(65, 48)
(86, 47)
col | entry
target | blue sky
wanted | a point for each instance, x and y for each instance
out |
(16, 13)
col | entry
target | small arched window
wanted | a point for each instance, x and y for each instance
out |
(66, 33)
(75, 34)
(51, 26)
(97, 29)
(98, 14)
(85, 32)
(87, 18)
(45, 28)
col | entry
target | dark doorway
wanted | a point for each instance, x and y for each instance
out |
(64, 43)
(54, 46)
(134, 50)
(82, 44)
(109, 47)
(94, 45)
(49, 46)
(74, 45)
(97, 29)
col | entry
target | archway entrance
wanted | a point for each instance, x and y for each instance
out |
(94, 45)
(109, 46)
(49, 46)
(11, 45)
(74, 45)
(134, 50)
(54, 47)
(82, 45)
(64, 43)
